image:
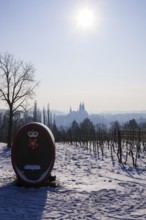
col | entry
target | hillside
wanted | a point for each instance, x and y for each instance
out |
(89, 187)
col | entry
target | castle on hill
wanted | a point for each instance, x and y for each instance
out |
(66, 120)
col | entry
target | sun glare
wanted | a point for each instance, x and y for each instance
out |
(85, 18)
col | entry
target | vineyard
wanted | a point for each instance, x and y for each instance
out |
(127, 145)
(125, 142)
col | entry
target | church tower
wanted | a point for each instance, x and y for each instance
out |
(82, 107)
(70, 110)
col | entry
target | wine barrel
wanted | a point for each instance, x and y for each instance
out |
(33, 154)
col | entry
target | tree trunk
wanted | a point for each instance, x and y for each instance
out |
(9, 139)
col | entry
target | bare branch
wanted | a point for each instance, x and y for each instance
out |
(17, 83)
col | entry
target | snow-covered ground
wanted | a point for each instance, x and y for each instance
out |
(89, 188)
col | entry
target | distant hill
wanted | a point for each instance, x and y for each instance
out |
(102, 118)
(56, 112)
(66, 118)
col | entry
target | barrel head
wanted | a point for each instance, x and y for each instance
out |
(33, 153)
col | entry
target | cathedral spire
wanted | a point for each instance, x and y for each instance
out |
(81, 107)
(70, 110)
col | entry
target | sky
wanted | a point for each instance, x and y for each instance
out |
(103, 65)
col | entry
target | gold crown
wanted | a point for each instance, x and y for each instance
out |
(33, 134)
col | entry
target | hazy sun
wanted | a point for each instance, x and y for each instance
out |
(85, 18)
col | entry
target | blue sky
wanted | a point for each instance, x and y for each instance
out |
(104, 67)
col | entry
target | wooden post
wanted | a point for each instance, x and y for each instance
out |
(119, 153)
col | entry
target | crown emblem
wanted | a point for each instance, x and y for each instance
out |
(32, 143)
(33, 134)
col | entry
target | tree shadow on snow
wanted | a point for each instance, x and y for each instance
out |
(22, 203)
(132, 170)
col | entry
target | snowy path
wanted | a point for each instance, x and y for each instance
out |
(89, 188)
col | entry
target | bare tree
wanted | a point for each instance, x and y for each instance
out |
(17, 85)
(36, 113)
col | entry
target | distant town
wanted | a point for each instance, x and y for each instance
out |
(65, 120)
(81, 113)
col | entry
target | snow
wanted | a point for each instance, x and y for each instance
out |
(89, 187)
